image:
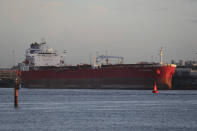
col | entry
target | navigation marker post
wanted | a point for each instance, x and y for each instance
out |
(16, 88)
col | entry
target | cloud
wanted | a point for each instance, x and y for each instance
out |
(191, 1)
(101, 24)
(53, 5)
(193, 20)
(98, 8)
(161, 9)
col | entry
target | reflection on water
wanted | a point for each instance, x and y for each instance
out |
(89, 110)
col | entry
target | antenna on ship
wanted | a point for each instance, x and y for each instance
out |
(161, 54)
(65, 51)
(13, 53)
(90, 58)
(107, 59)
(43, 41)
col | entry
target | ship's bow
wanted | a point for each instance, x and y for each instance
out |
(164, 75)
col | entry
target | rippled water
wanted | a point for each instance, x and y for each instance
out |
(98, 110)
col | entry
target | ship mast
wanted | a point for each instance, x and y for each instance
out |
(161, 54)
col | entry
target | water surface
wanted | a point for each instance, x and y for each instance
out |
(98, 110)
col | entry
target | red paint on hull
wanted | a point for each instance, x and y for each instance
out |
(127, 76)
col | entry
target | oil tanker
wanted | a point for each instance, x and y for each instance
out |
(45, 68)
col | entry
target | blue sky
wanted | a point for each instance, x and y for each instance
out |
(134, 29)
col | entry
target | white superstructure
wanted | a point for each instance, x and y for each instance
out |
(39, 54)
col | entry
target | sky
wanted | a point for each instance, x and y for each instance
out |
(134, 29)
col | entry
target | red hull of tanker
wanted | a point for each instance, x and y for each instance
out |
(107, 77)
